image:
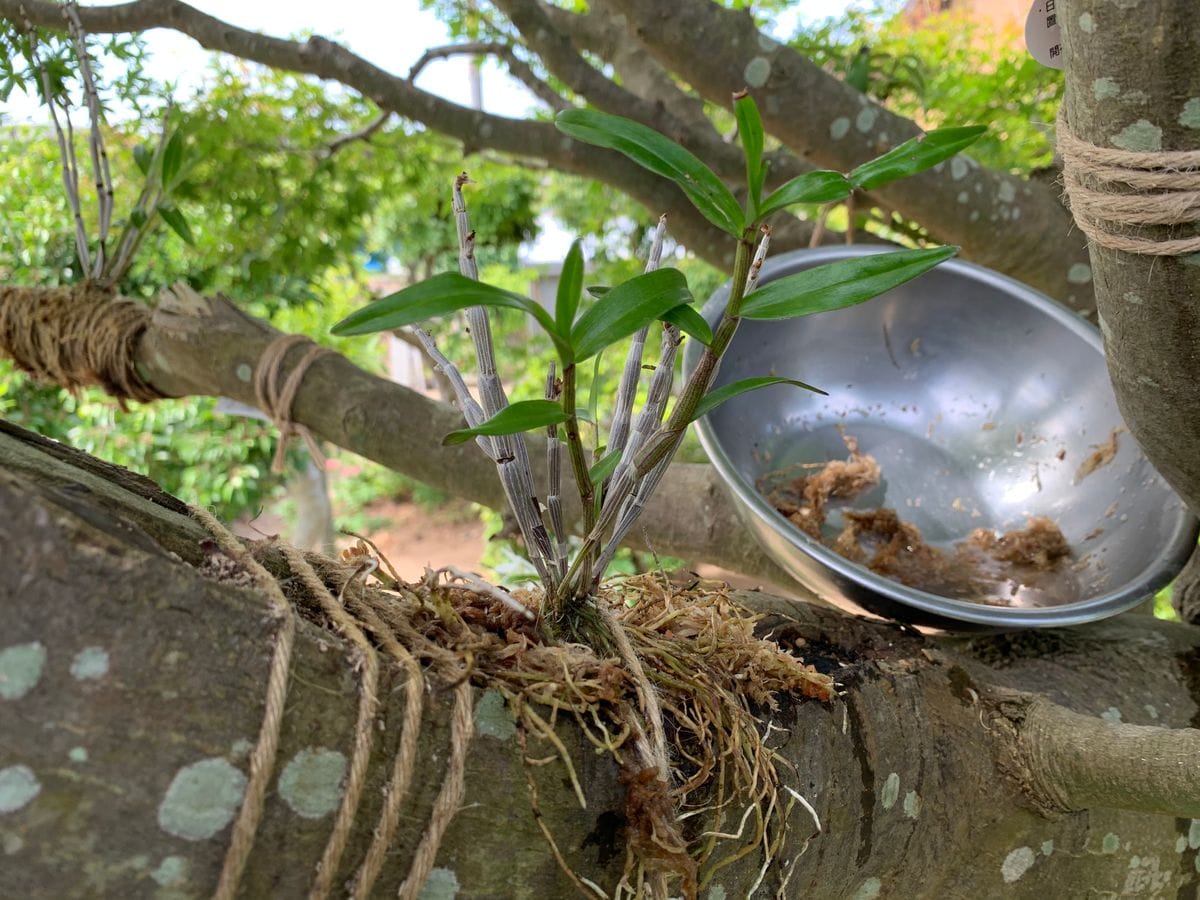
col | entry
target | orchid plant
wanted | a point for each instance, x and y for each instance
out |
(614, 482)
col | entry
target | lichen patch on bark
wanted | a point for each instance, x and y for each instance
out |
(20, 669)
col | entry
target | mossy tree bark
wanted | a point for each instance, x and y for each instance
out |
(132, 683)
(1133, 83)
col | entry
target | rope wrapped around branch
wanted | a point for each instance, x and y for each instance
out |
(1114, 192)
(276, 398)
(76, 336)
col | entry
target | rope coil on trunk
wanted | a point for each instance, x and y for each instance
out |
(276, 399)
(76, 336)
(1114, 192)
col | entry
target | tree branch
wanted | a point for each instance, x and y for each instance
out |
(517, 67)
(363, 134)
(1075, 761)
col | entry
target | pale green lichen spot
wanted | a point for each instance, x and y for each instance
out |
(839, 128)
(1110, 844)
(1151, 710)
(202, 799)
(20, 669)
(18, 786)
(244, 372)
(1192, 259)
(1194, 834)
(311, 784)
(1016, 864)
(1006, 193)
(959, 168)
(1087, 23)
(442, 884)
(12, 843)
(89, 664)
(1190, 117)
(912, 804)
(964, 197)
(240, 749)
(758, 70)
(1080, 273)
(492, 716)
(868, 890)
(716, 892)
(1105, 88)
(865, 120)
(1180, 844)
(171, 872)
(1112, 714)
(78, 754)
(1047, 847)
(1141, 137)
(1131, 297)
(891, 791)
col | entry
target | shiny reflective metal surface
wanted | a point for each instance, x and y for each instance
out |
(966, 386)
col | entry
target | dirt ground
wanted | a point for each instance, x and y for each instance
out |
(416, 537)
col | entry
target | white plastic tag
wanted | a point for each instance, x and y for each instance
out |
(1043, 36)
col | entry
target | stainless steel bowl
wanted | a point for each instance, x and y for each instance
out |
(967, 387)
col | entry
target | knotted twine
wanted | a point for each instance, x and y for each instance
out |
(264, 755)
(74, 337)
(1112, 192)
(276, 399)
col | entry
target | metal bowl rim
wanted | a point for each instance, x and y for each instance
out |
(1157, 573)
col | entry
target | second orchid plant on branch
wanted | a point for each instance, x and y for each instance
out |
(615, 482)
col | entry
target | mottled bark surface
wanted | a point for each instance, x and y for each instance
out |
(1133, 82)
(122, 666)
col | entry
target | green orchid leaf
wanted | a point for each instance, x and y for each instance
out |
(750, 129)
(660, 155)
(442, 295)
(715, 398)
(174, 218)
(570, 289)
(915, 155)
(143, 157)
(690, 322)
(525, 415)
(626, 308)
(172, 160)
(821, 186)
(604, 467)
(840, 284)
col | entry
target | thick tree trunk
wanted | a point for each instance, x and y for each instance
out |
(1133, 83)
(947, 767)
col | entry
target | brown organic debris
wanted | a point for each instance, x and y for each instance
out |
(803, 500)
(1101, 455)
(987, 567)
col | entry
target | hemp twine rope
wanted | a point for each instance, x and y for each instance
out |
(276, 399)
(76, 337)
(1112, 191)
(264, 755)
